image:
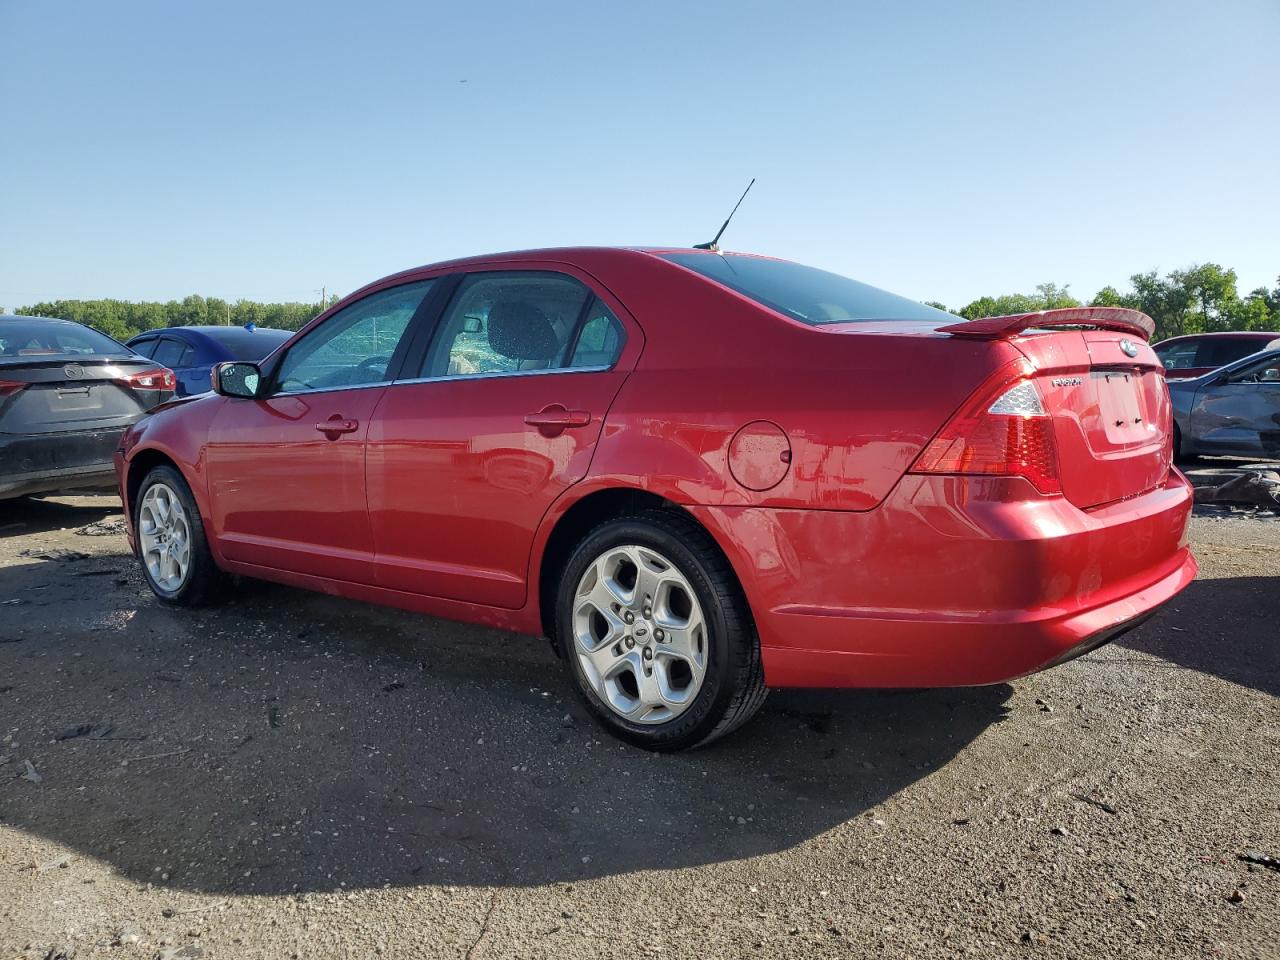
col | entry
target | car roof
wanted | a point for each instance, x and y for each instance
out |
(584, 257)
(28, 319)
(216, 337)
(206, 330)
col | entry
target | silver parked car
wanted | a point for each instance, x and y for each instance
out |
(1233, 411)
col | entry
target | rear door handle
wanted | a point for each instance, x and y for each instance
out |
(335, 426)
(555, 419)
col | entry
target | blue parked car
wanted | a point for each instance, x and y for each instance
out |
(191, 352)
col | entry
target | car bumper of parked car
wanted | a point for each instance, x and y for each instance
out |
(49, 463)
(951, 581)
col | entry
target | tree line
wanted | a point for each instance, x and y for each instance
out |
(123, 319)
(1199, 299)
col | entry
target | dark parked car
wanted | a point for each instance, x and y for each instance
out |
(1234, 411)
(66, 395)
(1199, 353)
(191, 352)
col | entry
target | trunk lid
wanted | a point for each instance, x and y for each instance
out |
(89, 393)
(1104, 388)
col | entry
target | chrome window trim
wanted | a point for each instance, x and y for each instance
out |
(456, 376)
(303, 393)
(504, 373)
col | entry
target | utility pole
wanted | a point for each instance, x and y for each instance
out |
(324, 300)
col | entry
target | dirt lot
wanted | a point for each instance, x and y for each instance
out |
(295, 775)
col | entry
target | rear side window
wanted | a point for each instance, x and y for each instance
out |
(513, 322)
(53, 338)
(1220, 352)
(145, 347)
(170, 352)
(805, 293)
(600, 340)
(1178, 356)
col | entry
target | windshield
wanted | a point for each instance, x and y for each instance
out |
(805, 293)
(32, 337)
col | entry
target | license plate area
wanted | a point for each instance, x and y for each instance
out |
(1124, 417)
(74, 399)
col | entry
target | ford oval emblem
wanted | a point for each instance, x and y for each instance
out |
(1129, 347)
(73, 371)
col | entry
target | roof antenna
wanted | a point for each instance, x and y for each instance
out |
(712, 245)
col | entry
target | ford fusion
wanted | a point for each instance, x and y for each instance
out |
(702, 475)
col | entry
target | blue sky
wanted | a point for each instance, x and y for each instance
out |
(941, 150)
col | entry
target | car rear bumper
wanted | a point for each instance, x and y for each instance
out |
(952, 581)
(49, 462)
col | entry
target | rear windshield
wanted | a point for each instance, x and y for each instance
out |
(248, 344)
(805, 293)
(36, 338)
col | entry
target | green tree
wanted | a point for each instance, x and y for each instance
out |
(1211, 296)
(123, 319)
(1048, 296)
(1111, 297)
(1053, 297)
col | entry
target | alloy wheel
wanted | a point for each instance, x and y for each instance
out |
(639, 634)
(164, 537)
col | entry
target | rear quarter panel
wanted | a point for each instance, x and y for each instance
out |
(856, 406)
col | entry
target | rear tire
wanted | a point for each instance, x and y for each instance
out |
(672, 661)
(1179, 455)
(172, 547)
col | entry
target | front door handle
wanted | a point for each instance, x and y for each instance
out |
(336, 426)
(554, 419)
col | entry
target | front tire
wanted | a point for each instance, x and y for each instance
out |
(657, 635)
(172, 547)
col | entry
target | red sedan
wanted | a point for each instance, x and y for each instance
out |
(701, 475)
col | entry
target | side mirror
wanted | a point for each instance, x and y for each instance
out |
(235, 378)
(470, 324)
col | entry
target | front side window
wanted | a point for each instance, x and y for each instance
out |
(1266, 370)
(506, 323)
(354, 347)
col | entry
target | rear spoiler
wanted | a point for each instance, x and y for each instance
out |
(1105, 318)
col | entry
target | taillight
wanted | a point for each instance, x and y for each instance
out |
(9, 387)
(1004, 432)
(161, 378)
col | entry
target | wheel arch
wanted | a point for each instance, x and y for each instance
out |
(578, 519)
(140, 464)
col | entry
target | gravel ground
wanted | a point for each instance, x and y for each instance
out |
(295, 775)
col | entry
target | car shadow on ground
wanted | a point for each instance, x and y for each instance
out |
(292, 742)
(1244, 645)
(23, 515)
